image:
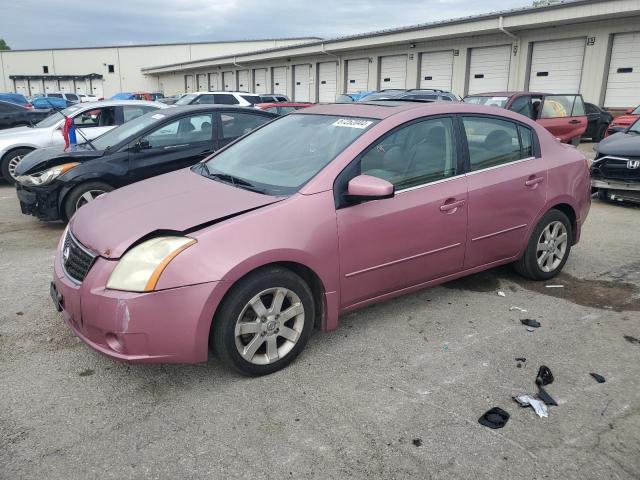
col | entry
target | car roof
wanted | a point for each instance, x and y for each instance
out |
(176, 110)
(117, 103)
(283, 104)
(505, 94)
(218, 92)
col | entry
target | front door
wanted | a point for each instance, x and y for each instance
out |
(171, 146)
(420, 233)
(564, 116)
(507, 188)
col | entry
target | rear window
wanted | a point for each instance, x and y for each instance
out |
(266, 99)
(72, 96)
(252, 99)
(55, 95)
(226, 99)
(492, 101)
(186, 99)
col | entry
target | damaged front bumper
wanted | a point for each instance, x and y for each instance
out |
(41, 202)
(617, 190)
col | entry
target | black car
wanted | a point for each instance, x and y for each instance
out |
(615, 172)
(13, 115)
(53, 184)
(598, 122)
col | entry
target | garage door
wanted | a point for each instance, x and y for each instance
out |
(327, 81)
(81, 86)
(393, 72)
(21, 87)
(227, 81)
(213, 82)
(50, 85)
(623, 84)
(201, 80)
(96, 87)
(436, 70)
(66, 86)
(260, 80)
(357, 75)
(302, 84)
(243, 81)
(279, 80)
(489, 69)
(36, 86)
(556, 66)
(188, 83)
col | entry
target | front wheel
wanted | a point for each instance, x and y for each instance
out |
(83, 194)
(10, 162)
(548, 248)
(264, 322)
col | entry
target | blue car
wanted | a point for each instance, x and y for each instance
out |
(352, 97)
(16, 98)
(49, 103)
(123, 96)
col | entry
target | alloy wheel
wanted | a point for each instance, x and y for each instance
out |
(269, 326)
(88, 196)
(13, 164)
(552, 246)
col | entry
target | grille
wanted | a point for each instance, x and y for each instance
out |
(76, 259)
(616, 169)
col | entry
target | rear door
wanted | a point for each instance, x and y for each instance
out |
(234, 124)
(507, 187)
(564, 116)
(175, 144)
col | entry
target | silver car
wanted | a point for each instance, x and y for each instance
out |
(91, 121)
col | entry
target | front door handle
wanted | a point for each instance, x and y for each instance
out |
(534, 181)
(451, 205)
(574, 122)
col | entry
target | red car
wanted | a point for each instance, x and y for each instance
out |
(282, 108)
(624, 121)
(563, 115)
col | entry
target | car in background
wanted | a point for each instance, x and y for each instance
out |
(299, 222)
(133, 96)
(241, 99)
(70, 98)
(53, 184)
(16, 98)
(282, 108)
(88, 98)
(14, 115)
(49, 103)
(598, 122)
(273, 98)
(563, 115)
(412, 94)
(91, 120)
(172, 99)
(615, 172)
(157, 96)
(622, 122)
(351, 97)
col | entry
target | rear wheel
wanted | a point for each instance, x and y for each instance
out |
(10, 162)
(548, 248)
(264, 322)
(83, 194)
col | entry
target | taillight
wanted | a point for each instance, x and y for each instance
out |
(28, 105)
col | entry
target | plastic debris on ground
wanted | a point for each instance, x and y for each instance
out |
(501, 293)
(554, 286)
(599, 378)
(494, 418)
(517, 309)
(546, 398)
(538, 405)
(544, 377)
(530, 324)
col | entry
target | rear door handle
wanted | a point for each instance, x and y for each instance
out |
(574, 122)
(534, 181)
(451, 205)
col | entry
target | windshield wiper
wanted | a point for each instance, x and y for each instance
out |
(235, 181)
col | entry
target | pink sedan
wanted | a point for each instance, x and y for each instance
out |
(318, 213)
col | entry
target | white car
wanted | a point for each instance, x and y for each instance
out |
(242, 99)
(87, 98)
(91, 121)
(69, 97)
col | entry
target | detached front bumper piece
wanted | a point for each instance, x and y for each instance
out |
(40, 202)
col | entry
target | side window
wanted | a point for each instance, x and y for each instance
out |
(492, 142)
(526, 142)
(558, 106)
(99, 117)
(184, 131)
(590, 108)
(272, 109)
(225, 99)
(131, 112)
(204, 100)
(523, 106)
(285, 110)
(236, 124)
(72, 96)
(413, 155)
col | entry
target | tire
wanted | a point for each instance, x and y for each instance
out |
(10, 161)
(78, 196)
(541, 264)
(248, 353)
(602, 194)
(600, 133)
(575, 141)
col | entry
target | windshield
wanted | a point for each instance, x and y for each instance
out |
(635, 128)
(282, 156)
(186, 99)
(636, 111)
(125, 131)
(56, 117)
(492, 101)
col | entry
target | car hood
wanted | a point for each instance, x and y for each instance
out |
(625, 144)
(14, 135)
(44, 158)
(625, 120)
(181, 201)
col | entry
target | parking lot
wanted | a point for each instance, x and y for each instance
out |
(394, 392)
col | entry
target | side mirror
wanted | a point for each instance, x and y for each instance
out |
(365, 187)
(142, 144)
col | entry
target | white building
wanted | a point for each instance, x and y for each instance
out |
(104, 71)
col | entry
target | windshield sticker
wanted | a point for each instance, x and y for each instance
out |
(157, 116)
(352, 123)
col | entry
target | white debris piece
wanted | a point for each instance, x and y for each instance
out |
(501, 293)
(554, 286)
(538, 405)
(517, 309)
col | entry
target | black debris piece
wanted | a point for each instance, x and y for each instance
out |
(530, 322)
(599, 378)
(494, 418)
(417, 442)
(545, 397)
(544, 377)
(521, 359)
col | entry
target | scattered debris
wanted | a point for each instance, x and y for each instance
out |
(554, 286)
(501, 293)
(631, 339)
(530, 323)
(86, 373)
(599, 378)
(545, 397)
(517, 309)
(19, 313)
(544, 377)
(521, 359)
(417, 442)
(538, 405)
(519, 365)
(494, 418)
